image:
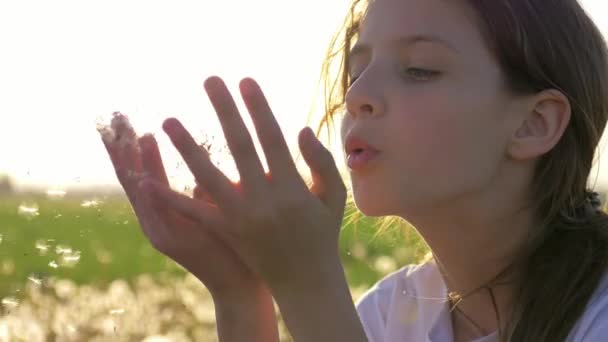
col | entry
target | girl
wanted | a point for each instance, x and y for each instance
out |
(474, 121)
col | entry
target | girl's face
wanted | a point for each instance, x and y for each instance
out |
(436, 109)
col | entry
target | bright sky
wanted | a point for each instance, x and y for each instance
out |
(65, 63)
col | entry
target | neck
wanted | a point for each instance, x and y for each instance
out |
(472, 250)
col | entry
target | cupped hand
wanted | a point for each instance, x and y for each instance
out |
(281, 229)
(197, 248)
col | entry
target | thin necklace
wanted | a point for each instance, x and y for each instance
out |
(453, 296)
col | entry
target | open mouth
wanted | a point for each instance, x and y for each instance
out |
(358, 158)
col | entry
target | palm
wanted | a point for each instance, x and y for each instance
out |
(210, 257)
(213, 259)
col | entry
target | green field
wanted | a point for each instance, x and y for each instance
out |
(96, 243)
(79, 269)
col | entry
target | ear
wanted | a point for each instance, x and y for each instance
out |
(542, 126)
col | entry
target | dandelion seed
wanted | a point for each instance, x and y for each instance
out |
(35, 279)
(120, 120)
(117, 311)
(114, 131)
(126, 222)
(10, 302)
(107, 134)
(55, 194)
(42, 246)
(124, 134)
(359, 251)
(28, 210)
(58, 216)
(63, 249)
(71, 329)
(204, 146)
(385, 264)
(90, 203)
(1, 237)
(53, 264)
(70, 259)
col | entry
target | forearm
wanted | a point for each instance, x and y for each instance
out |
(321, 309)
(246, 317)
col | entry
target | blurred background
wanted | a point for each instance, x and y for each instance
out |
(74, 265)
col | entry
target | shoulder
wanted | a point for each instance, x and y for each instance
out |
(375, 304)
(410, 275)
(593, 324)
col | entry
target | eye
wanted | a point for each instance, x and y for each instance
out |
(421, 73)
(416, 73)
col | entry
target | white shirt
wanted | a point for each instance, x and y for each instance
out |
(391, 312)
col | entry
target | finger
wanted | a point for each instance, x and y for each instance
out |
(120, 142)
(238, 138)
(205, 173)
(200, 193)
(152, 161)
(125, 142)
(151, 224)
(184, 205)
(280, 162)
(327, 182)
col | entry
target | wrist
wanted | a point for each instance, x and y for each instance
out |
(315, 275)
(246, 315)
(244, 294)
(320, 307)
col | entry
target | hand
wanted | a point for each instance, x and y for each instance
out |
(196, 248)
(281, 229)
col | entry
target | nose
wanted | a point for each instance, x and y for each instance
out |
(364, 97)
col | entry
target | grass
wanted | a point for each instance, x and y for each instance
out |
(106, 236)
(107, 241)
(71, 266)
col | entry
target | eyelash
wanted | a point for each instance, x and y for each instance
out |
(429, 73)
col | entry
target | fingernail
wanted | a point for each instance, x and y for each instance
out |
(171, 125)
(313, 138)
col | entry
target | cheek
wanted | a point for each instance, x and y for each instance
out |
(442, 142)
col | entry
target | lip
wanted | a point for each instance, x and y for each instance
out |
(354, 143)
(360, 161)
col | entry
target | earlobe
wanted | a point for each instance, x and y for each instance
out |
(522, 144)
(543, 127)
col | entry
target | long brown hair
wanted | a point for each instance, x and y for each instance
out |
(539, 44)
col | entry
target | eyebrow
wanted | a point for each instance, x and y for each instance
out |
(360, 49)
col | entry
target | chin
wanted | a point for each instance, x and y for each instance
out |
(371, 208)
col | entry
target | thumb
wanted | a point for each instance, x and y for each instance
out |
(327, 182)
